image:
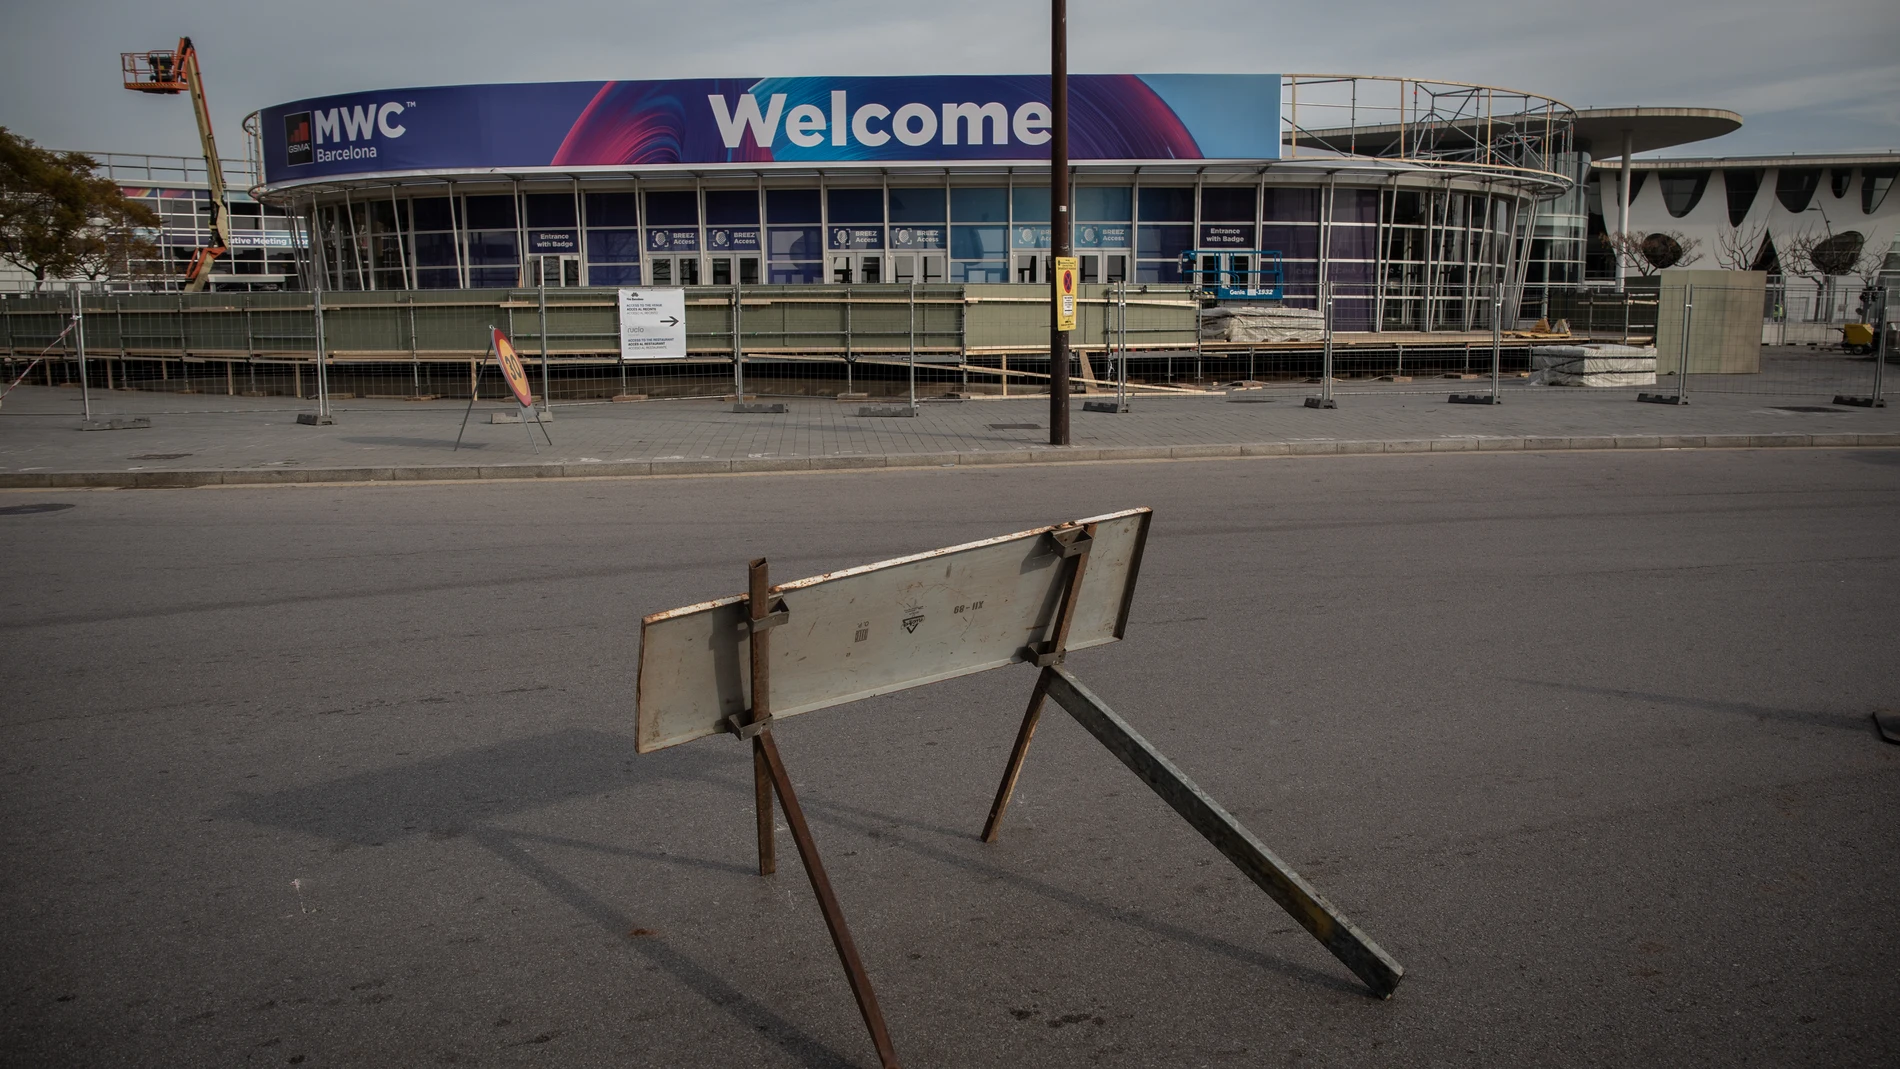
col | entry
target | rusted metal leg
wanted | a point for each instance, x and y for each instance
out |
(758, 595)
(1352, 947)
(762, 802)
(1016, 755)
(828, 903)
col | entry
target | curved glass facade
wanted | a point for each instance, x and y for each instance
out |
(1400, 248)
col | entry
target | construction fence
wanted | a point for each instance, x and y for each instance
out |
(887, 341)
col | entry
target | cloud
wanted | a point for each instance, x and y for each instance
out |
(1828, 62)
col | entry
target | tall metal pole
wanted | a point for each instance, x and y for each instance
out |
(913, 345)
(1682, 363)
(323, 375)
(541, 293)
(1059, 218)
(1623, 210)
(738, 343)
(79, 347)
(1880, 340)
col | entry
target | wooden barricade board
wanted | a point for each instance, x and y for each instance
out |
(884, 627)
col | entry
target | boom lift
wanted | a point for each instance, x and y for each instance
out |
(177, 72)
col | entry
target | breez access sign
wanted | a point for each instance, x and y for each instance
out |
(653, 324)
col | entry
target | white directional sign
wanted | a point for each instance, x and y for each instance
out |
(653, 324)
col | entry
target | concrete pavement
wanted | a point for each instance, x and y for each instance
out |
(200, 440)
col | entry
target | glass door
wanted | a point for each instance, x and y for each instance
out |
(728, 270)
(924, 268)
(556, 270)
(673, 270)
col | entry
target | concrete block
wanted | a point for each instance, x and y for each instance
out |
(121, 423)
(1267, 449)
(846, 463)
(1000, 456)
(1359, 447)
(150, 480)
(705, 466)
(1637, 441)
(611, 469)
(1882, 438)
(1303, 449)
(919, 460)
(1832, 439)
(23, 480)
(1487, 445)
(435, 473)
(346, 475)
(1546, 443)
(1409, 445)
(1593, 441)
(1185, 451)
(89, 478)
(770, 464)
(1454, 445)
(1133, 452)
(1727, 441)
(1778, 441)
(1680, 441)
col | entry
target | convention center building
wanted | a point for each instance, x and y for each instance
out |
(1406, 198)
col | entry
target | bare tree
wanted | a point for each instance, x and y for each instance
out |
(1823, 257)
(1738, 247)
(1647, 254)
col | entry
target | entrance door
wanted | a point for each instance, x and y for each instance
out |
(924, 267)
(1105, 267)
(852, 267)
(673, 270)
(724, 268)
(1032, 267)
(556, 270)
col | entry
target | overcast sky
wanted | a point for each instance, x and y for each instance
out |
(1806, 75)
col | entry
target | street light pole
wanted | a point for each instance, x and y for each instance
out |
(1059, 221)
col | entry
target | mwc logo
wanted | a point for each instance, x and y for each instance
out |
(307, 132)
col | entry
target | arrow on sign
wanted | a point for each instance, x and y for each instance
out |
(671, 321)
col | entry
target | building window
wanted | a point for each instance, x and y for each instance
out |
(1840, 180)
(612, 209)
(1874, 184)
(918, 206)
(1741, 183)
(1682, 190)
(1795, 187)
(489, 212)
(732, 207)
(1104, 204)
(673, 207)
(792, 206)
(861, 207)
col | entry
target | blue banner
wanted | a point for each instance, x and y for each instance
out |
(581, 125)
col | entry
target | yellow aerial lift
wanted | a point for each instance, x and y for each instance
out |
(177, 72)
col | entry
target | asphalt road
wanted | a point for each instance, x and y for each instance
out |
(324, 776)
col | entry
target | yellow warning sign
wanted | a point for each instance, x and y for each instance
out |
(1066, 267)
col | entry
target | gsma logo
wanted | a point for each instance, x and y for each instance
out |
(297, 138)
